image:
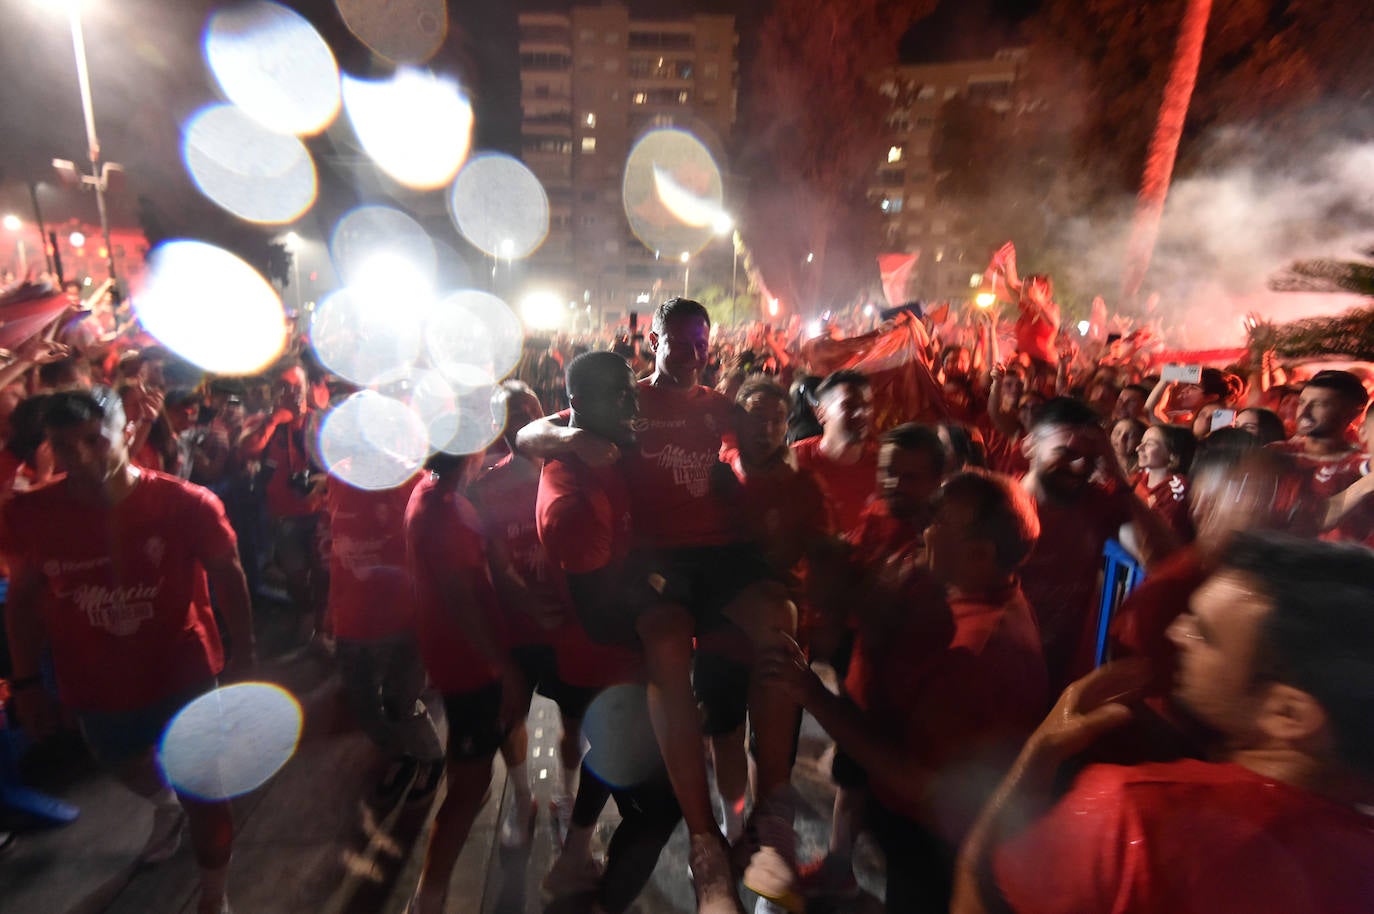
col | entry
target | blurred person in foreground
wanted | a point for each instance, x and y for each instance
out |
(1277, 821)
(111, 567)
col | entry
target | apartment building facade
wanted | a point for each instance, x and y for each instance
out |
(593, 81)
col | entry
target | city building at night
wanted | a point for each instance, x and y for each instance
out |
(905, 183)
(593, 81)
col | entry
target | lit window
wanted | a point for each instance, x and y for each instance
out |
(641, 98)
(590, 119)
(894, 154)
(589, 144)
(682, 97)
(925, 92)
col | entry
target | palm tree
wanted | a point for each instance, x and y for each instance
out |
(1321, 275)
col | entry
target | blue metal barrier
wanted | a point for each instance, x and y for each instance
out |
(1121, 573)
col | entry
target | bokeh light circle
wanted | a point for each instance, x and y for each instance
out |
(672, 191)
(403, 31)
(415, 126)
(477, 423)
(230, 741)
(623, 751)
(371, 441)
(371, 236)
(499, 206)
(367, 338)
(245, 168)
(270, 62)
(472, 339)
(211, 308)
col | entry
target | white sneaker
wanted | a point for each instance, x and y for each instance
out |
(517, 823)
(169, 829)
(573, 874)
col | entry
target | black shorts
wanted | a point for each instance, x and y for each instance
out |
(539, 665)
(474, 722)
(721, 686)
(706, 579)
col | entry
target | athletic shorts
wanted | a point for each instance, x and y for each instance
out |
(721, 686)
(474, 722)
(118, 737)
(539, 665)
(706, 579)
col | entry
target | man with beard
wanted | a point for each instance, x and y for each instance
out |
(1066, 447)
(1278, 820)
(1329, 405)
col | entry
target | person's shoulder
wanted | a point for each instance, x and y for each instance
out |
(37, 500)
(165, 485)
(807, 446)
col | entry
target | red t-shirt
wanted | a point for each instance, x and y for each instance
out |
(1189, 837)
(782, 508)
(1330, 475)
(879, 535)
(287, 452)
(583, 519)
(669, 475)
(444, 536)
(127, 610)
(1060, 577)
(1035, 333)
(369, 589)
(847, 486)
(1169, 500)
(505, 498)
(1005, 455)
(963, 684)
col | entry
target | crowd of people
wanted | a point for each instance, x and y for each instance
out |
(694, 531)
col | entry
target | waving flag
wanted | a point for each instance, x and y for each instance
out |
(895, 270)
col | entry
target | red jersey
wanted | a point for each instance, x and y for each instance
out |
(1060, 577)
(670, 474)
(1189, 837)
(963, 684)
(127, 608)
(1035, 332)
(879, 536)
(369, 589)
(1169, 500)
(783, 509)
(505, 498)
(286, 453)
(847, 486)
(1005, 455)
(1330, 475)
(443, 537)
(583, 519)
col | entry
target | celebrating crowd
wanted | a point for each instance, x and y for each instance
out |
(691, 529)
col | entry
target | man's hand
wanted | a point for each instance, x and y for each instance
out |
(593, 450)
(787, 668)
(1089, 708)
(39, 351)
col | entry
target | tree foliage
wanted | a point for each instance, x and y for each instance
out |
(814, 126)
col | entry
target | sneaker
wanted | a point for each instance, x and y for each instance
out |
(709, 864)
(573, 874)
(560, 816)
(169, 829)
(827, 877)
(426, 784)
(517, 824)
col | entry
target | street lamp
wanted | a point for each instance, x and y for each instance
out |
(686, 271)
(99, 178)
(12, 223)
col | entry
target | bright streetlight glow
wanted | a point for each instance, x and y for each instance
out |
(542, 310)
(723, 224)
(984, 299)
(685, 258)
(773, 307)
(1083, 327)
(77, 239)
(975, 280)
(810, 257)
(868, 310)
(13, 223)
(507, 248)
(292, 240)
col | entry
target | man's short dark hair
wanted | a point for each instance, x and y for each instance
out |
(1345, 384)
(1003, 513)
(1137, 388)
(676, 308)
(845, 377)
(1065, 412)
(761, 384)
(26, 427)
(591, 370)
(1319, 639)
(70, 408)
(62, 372)
(913, 436)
